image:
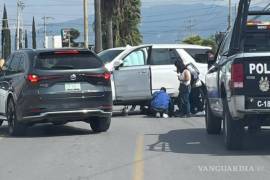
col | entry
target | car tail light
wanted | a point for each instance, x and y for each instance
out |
(33, 78)
(107, 76)
(64, 52)
(237, 76)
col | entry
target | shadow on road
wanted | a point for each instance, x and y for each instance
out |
(196, 141)
(49, 130)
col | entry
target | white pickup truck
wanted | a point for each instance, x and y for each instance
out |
(139, 71)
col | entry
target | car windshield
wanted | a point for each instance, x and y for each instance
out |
(68, 61)
(108, 55)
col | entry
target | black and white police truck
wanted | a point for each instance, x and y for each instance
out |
(238, 82)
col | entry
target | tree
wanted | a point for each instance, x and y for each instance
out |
(25, 39)
(127, 17)
(202, 41)
(34, 34)
(6, 38)
(21, 38)
(122, 18)
(98, 30)
(107, 9)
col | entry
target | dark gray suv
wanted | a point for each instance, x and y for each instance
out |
(55, 86)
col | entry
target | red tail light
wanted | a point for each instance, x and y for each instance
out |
(237, 76)
(107, 76)
(65, 52)
(33, 78)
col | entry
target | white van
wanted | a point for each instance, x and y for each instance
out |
(139, 71)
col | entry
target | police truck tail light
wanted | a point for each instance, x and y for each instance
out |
(33, 78)
(237, 76)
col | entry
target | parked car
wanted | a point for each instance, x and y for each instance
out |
(55, 86)
(141, 70)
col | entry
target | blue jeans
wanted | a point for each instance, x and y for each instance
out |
(183, 99)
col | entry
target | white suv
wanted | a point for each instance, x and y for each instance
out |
(141, 70)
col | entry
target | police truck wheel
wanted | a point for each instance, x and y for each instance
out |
(233, 131)
(213, 123)
(101, 124)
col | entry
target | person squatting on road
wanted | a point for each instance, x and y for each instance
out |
(184, 77)
(160, 104)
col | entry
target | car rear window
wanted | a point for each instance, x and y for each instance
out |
(63, 61)
(257, 42)
(257, 34)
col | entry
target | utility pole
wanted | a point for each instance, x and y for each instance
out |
(230, 15)
(85, 15)
(20, 6)
(45, 19)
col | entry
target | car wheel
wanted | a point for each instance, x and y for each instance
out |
(213, 123)
(1, 122)
(101, 124)
(14, 127)
(233, 131)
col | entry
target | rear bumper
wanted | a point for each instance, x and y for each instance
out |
(66, 116)
(238, 110)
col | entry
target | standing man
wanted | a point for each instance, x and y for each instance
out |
(184, 77)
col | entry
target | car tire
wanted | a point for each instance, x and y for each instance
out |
(14, 127)
(233, 130)
(199, 106)
(1, 122)
(101, 124)
(213, 123)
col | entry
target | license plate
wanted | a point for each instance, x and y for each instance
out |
(72, 86)
(258, 103)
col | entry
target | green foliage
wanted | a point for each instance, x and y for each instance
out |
(6, 38)
(202, 41)
(126, 17)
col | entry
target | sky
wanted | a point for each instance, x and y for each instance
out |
(63, 10)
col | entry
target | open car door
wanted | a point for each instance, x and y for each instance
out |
(132, 78)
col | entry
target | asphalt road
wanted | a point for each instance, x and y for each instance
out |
(135, 148)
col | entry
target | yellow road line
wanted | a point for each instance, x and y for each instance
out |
(138, 172)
